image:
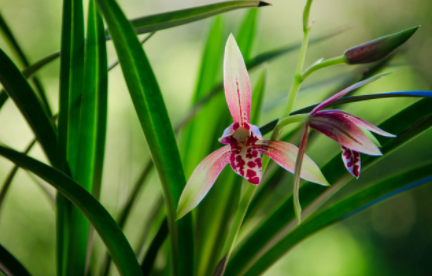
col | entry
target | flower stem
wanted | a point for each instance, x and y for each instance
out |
(299, 118)
(323, 64)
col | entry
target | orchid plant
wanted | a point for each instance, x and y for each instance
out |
(203, 206)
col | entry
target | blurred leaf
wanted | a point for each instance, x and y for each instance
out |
(407, 124)
(28, 103)
(153, 116)
(91, 128)
(9, 35)
(258, 98)
(104, 224)
(125, 211)
(9, 265)
(353, 204)
(166, 20)
(250, 64)
(11, 175)
(246, 35)
(157, 242)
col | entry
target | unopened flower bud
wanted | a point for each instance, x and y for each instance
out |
(377, 49)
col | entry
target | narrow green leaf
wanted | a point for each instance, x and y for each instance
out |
(246, 35)
(9, 265)
(104, 224)
(29, 105)
(258, 98)
(125, 211)
(15, 45)
(166, 20)
(147, 264)
(341, 210)
(407, 124)
(11, 175)
(91, 127)
(156, 125)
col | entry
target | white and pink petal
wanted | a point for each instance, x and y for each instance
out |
(236, 83)
(352, 161)
(285, 155)
(202, 179)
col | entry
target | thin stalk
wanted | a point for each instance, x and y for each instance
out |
(322, 64)
(299, 118)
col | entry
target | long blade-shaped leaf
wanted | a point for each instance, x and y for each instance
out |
(71, 255)
(104, 224)
(10, 177)
(9, 265)
(345, 208)
(15, 45)
(157, 242)
(407, 124)
(166, 20)
(154, 120)
(92, 131)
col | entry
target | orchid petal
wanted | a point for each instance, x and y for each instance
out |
(360, 122)
(343, 131)
(202, 180)
(228, 132)
(351, 160)
(285, 155)
(236, 82)
(245, 160)
(256, 132)
(345, 91)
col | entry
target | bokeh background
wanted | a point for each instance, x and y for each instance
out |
(393, 237)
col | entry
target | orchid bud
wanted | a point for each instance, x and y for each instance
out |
(377, 49)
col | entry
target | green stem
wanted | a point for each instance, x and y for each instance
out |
(299, 118)
(323, 64)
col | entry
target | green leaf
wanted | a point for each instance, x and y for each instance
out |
(92, 131)
(9, 35)
(166, 20)
(125, 211)
(246, 35)
(9, 265)
(341, 210)
(258, 98)
(29, 105)
(157, 242)
(11, 175)
(407, 124)
(156, 125)
(104, 224)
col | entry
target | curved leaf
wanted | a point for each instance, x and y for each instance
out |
(9, 265)
(157, 242)
(343, 209)
(104, 224)
(153, 116)
(166, 20)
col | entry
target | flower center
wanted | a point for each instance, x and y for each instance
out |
(241, 134)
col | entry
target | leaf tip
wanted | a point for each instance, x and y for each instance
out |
(263, 4)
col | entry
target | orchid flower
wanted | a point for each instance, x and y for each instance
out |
(244, 142)
(344, 128)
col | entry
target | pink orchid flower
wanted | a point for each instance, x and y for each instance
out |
(244, 142)
(344, 129)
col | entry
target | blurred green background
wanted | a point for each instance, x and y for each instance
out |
(393, 237)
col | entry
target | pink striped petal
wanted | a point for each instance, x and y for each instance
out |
(345, 91)
(360, 122)
(202, 180)
(245, 160)
(236, 81)
(351, 160)
(285, 155)
(343, 131)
